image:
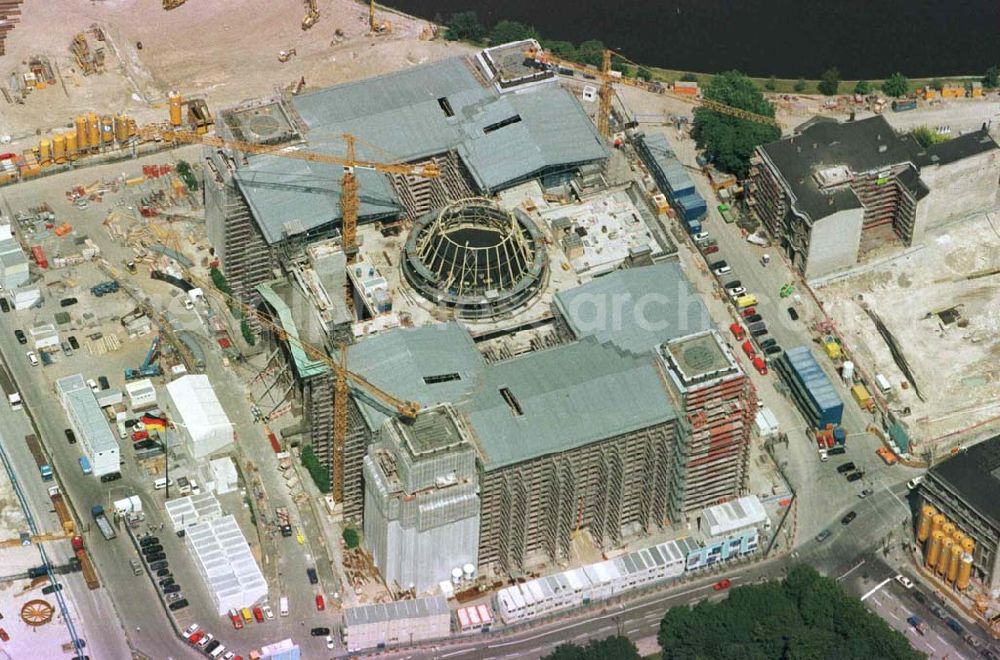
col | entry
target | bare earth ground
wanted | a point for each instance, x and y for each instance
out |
(225, 50)
(957, 365)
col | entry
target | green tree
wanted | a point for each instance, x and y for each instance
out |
(926, 137)
(219, 280)
(829, 82)
(610, 648)
(247, 332)
(563, 49)
(319, 474)
(351, 538)
(800, 85)
(863, 87)
(689, 77)
(935, 83)
(508, 31)
(591, 52)
(465, 26)
(644, 73)
(729, 141)
(992, 78)
(789, 619)
(897, 85)
(771, 84)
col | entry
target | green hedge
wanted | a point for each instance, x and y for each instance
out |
(319, 474)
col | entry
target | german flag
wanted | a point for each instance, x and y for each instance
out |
(157, 423)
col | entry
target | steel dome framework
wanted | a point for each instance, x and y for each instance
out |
(476, 258)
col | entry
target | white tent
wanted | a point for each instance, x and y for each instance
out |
(202, 419)
(226, 564)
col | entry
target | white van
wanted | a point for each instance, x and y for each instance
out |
(161, 483)
(883, 384)
(283, 606)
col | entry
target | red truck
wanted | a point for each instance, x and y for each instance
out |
(89, 574)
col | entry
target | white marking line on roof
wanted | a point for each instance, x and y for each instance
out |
(877, 587)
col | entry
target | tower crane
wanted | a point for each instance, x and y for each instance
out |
(609, 77)
(27, 539)
(348, 183)
(374, 27)
(344, 381)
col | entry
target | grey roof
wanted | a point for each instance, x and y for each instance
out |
(563, 397)
(397, 610)
(91, 422)
(404, 117)
(974, 475)
(963, 146)
(856, 144)
(635, 309)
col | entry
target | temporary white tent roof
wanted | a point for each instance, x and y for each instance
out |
(202, 418)
(226, 564)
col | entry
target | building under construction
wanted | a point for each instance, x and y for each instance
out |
(831, 191)
(262, 209)
(637, 418)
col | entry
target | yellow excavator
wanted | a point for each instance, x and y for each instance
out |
(312, 15)
(374, 27)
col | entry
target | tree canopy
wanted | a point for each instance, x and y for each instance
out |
(829, 82)
(507, 31)
(805, 616)
(610, 648)
(992, 78)
(897, 85)
(729, 141)
(465, 25)
(863, 87)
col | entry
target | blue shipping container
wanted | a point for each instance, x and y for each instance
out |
(692, 206)
(820, 402)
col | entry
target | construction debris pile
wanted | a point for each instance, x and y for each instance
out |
(89, 61)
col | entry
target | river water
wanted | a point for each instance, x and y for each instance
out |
(786, 38)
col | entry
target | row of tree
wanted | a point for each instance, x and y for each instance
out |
(805, 616)
(895, 85)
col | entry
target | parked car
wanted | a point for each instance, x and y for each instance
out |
(32, 358)
(237, 620)
(152, 549)
(196, 637)
(178, 604)
(162, 572)
(838, 450)
(914, 482)
(174, 596)
(66, 302)
(736, 292)
(66, 348)
(724, 583)
(865, 493)
(329, 642)
(792, 314)
(854, 476)
(73, 342)
(159, 556)
(846, 520)
(319, 631)
(268, 612)
(954, 625)
(822, 536)
(4, 305)
(103, 381)
(21, 338)
(772, 350)
(753, 318)
(732, 284)
(313, 578)
(767, 343)
(190, 630)
(70, 436)
(166, 581)
(700, 236)
(136, 566)
(722, 270)
(905, 581)
(920, 597)
(710, 249)
(844, 468)
(320, 603)
(206, 640)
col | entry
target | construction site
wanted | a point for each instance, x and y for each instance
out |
(473, 283)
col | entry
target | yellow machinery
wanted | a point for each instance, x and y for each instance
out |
(933, 549)
(609, 77)
(945, 557)
(374, 27)
(176, 102)
(27, 539)
(312, 15)
(924, 526)
(348, 183)
(173, 4)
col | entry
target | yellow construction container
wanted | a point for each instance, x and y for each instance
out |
(81, 132)
(937, 522)
(832, 348)
(121, 127)
(933, 549)
(924, 526)
(950, 91)
(930, 93)
(134, 181)
(945, 557)
(175, 108)
(107, 129)
(71, 144)
(953, 563)
(93, 131)
(44, 152)
(964, 572)
(977, 90)
(59, 148)
(861, 395)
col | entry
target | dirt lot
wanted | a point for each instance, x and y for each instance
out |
(223, 50)
(956, 361)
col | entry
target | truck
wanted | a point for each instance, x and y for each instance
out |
(13, 396)
(98, 290)
(917, 624)
(903, 106)
(44, 468)
(102, 522)
(62, 511)
(283, 522)
(89, 574)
